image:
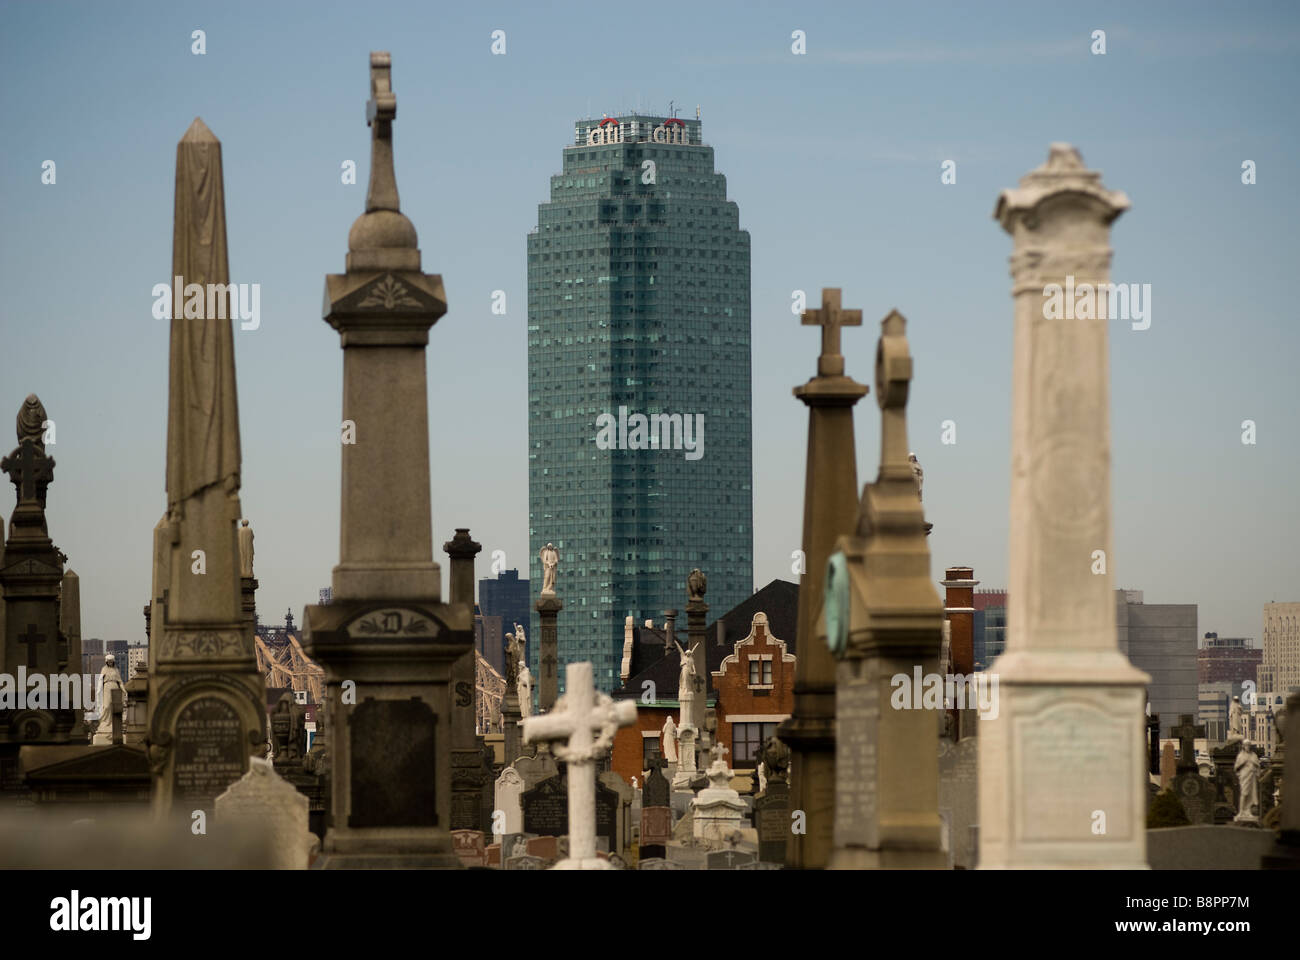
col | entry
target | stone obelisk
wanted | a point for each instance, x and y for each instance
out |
(1061, 761)
(387, 642)
(207, 698)
(830, 508)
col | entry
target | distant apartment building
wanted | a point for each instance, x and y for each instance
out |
(990, 626)
(1160, 639)
(506, 596)
(136, 654)
(1234, 659)
(489, 640)
(1279, 669)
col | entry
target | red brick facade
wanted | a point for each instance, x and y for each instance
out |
(769, 701)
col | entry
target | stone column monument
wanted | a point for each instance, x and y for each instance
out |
(696, 613)
(466, 762)
(884, 619)
(387, 642)
(207, 699)
(30, 579)
(548, 607)
(1061, 780)
(830, 508)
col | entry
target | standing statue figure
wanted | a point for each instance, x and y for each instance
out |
(550, 560)
(762, 778)
(514, 654)
(696, 584)
(1247, 769)
(525, 690)
(668, 740)
(109, 678)
(245, 549)
(1236, 721)
(686, 678)
(917, 473)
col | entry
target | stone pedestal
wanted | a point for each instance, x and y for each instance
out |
(1061, 764)
(717, 810)
(697, 612)
(686, 771)
(548, 661)
(830, 509)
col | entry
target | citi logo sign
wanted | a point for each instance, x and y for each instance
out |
(76, 913)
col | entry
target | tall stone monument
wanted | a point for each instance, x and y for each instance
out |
(1061, 777)
(697, 611)
(883, 620)
(207, 698)
(548, 607)
(830, 508)
(31, 578)
(386, 641)
(466, 747)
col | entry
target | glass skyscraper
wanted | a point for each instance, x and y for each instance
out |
(639, 461)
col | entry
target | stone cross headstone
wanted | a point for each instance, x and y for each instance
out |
(830, 509)
(581, 726)
(1068, 738)
(263, 804)
(1187, 732)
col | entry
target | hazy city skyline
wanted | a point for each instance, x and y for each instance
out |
(834, 158)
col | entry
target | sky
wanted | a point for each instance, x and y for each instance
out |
(834, 157)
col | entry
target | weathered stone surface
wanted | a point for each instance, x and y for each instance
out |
(1067, 739)
(262, 801)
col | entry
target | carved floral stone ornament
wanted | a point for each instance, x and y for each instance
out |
(391, 623)
(390, 294)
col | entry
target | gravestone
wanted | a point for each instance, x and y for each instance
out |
(717, 811)
(885, 618)
(609, 817)
(263, 803)
(526, 862)
(621, 837)
(469, 846)
(728, 859)
(1194, 792)
(657, 863)
(1168, 765)
(466, 766)
(533, 770)
(830, 509)
(509, 790)
(581, 727)
(546, 809)
(207, 697)
(688, 857)
(1068, 736)
(386, 629)
(958, 794)
(1227, 790)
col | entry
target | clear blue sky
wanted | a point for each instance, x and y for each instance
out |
(834, 159)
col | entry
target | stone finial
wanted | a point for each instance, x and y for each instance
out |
(31, 421)
(1063, 172)
(382, 237)
(893, 380)
(696, 585)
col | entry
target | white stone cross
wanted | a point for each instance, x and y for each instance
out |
(582, 726)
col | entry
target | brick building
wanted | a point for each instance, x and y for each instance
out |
(650, 671)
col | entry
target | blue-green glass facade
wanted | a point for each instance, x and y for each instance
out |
(638, 298)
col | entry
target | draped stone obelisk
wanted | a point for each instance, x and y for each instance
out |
(1061, 781)
(387, 642)
(884, 620)
(830, 508)
(207, 698)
